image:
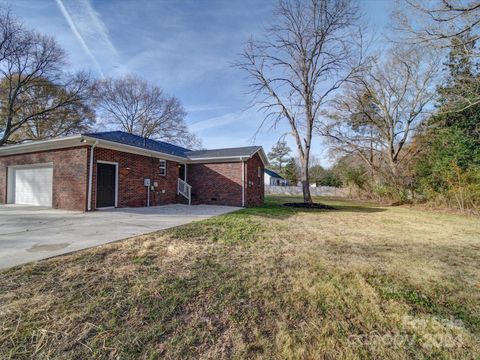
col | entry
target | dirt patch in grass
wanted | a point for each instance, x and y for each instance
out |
(263, 283)
(302, 205)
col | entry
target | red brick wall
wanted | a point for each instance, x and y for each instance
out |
(255, 189)
(216, 183)
(69, 175)
(221, 183)
(133, 169)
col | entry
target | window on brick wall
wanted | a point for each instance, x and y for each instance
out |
(259, 172)
(162, 167)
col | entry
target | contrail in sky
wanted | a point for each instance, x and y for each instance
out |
(89, 30)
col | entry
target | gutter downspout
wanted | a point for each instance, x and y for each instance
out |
(90, 177)
(148, 196)
(243, 183)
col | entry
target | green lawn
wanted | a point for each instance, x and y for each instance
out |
(273, 283)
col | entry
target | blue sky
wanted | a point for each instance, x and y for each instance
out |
(185, 46)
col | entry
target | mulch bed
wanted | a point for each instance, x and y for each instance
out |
(310, 206)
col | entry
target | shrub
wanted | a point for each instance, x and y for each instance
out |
(449, 171)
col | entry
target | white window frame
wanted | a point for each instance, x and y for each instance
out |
(162, 167)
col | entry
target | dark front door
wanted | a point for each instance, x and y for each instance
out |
(106, 174)
(181, 172)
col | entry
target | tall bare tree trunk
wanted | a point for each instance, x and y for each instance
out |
(305, 179)
(312, 50)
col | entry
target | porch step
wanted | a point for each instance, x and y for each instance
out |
(184, 189)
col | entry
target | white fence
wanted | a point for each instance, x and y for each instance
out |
(297, 190)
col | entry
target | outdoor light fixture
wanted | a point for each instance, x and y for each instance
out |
(83, 140)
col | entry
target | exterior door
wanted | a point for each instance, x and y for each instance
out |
(181, 172)
(106, 185)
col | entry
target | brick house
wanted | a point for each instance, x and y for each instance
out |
(117, 169)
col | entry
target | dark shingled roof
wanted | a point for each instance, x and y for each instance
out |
(273, 174)
(140, 142)
(222, 153)
(122, 137)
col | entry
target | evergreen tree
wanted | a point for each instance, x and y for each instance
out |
(279, 155)
(289, 172)
(459, 96)
(462, 85)
(449, 168)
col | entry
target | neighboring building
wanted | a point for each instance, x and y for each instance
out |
(117, 169)
(272, 178)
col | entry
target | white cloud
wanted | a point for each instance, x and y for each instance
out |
(91, 32)
(218, 121)
(202, 108)
(77, 34)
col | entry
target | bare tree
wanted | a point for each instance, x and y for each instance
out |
(445, 26)
(72, 118)
(377, 115)
(133, 105)
(30, 61)
(438, 22)
(305, 58)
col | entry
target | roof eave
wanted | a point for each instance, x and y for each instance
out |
(263, 156)
(43, 145)
(83, 140)
(239, 158)
(217, 159)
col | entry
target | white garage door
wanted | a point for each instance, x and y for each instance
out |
(33, 185)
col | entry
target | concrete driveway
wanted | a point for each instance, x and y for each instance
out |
(29, 233)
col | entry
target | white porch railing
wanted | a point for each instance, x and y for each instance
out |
(184, 189)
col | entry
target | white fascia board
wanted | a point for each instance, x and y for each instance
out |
(44, 145)
(79, 140)
(263, 157)
(217, 159)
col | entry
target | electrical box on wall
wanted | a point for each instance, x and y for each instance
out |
(146, 182)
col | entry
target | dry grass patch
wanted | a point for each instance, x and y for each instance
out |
(271, 282)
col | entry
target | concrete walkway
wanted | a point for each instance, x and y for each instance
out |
(29, 233)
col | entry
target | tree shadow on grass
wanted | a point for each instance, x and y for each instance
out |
(359, 208)
(276, 209)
